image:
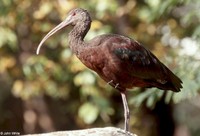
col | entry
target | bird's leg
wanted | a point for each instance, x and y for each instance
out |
(126, 111)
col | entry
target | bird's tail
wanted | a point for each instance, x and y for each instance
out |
(173, 83)
(176, 83)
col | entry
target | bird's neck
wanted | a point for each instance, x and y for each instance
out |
(76, 37)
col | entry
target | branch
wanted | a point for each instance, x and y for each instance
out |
(107, 131)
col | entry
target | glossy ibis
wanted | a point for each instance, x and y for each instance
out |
(121, 61)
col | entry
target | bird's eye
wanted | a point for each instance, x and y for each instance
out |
(73, 14)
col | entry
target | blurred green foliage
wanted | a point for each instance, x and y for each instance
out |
(170, 29)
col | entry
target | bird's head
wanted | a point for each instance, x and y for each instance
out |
(78, 15)
(75, 16)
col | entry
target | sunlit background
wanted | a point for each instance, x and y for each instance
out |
(54, 91)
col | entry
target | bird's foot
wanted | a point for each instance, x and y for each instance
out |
(124, 132)
(113, 84)
(116, 85)
(110, 82)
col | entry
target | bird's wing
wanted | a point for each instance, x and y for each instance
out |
(140, 62)
(128, 57)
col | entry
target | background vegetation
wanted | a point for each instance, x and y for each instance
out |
(54, 91)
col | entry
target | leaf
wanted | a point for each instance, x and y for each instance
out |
(8, 36)
(88, 113)
(84, 78)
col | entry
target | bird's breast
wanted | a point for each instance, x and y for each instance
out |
(93, 59)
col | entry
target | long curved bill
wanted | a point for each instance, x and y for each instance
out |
(63, 24)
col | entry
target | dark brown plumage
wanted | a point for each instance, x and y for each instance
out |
(121, 61)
